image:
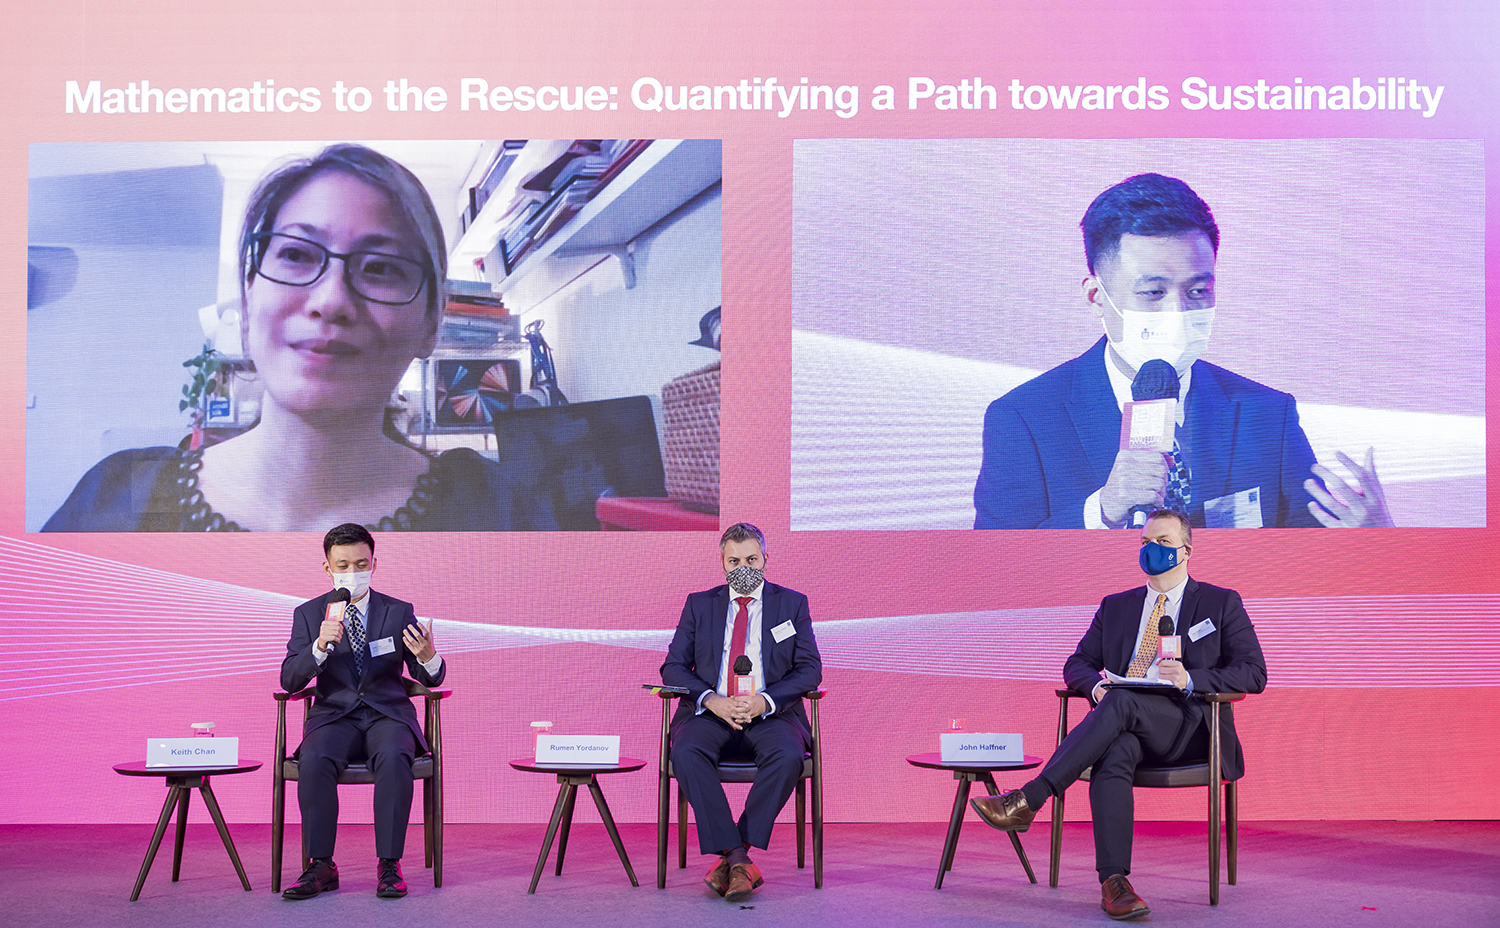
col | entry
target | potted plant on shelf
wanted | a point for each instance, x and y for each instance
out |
(210, 379)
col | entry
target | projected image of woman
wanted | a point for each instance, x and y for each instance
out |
(342, 270)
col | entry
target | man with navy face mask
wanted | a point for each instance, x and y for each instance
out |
(1239, 457)
(1220, 654)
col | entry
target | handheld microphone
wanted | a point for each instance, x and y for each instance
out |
(1156, 380)
(744, 685)
(335, 610)
(1170, 643)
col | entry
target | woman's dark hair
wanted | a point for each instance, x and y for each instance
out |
(407, 195)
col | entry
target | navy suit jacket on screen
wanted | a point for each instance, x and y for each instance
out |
(1050, 443)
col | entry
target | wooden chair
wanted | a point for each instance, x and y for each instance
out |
(1172, 777)
(428, 768)
(739, 771)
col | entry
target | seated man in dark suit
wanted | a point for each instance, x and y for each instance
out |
(1052, 455)
(769, 625)
(1220, 654)
(356, 650)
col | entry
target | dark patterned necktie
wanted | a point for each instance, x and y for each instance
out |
(356, 638)
(1150, 640)
(1179, 482)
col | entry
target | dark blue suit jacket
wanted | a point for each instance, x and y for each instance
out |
(1226, 660)
(339, 690)
(791, 667)
(1050, 443)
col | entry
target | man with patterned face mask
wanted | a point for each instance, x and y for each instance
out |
(355, 641)
(1239, 458)
(745, 653)
(1219, 653)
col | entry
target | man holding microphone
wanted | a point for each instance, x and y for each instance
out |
(355, 641)
(1219, 653)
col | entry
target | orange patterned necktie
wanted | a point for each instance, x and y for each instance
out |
(1149, 640)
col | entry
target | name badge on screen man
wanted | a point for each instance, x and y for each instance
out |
(1148, 425)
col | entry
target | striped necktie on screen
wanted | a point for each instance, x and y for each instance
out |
(1149, 640)
(1179, 483)
(356, 638)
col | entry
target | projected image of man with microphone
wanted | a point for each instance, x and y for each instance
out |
(1234, 454)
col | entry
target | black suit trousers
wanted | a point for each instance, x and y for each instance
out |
(777, 746)
(1126, 729)
(388, 746)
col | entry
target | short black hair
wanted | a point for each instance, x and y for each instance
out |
(1146, 204)
(350, 533)
(742, 531)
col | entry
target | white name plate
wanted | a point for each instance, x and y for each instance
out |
(980, 748)
(192, 752)
(577, 750)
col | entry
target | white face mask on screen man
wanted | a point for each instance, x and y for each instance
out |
(1179, 338)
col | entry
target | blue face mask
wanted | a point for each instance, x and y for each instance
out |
(1157, 559)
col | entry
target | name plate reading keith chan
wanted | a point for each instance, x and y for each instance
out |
(980, 748)
(192, 752)
(577, 750)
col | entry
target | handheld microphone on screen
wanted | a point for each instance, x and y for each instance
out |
(1156, 380)
(334, 611)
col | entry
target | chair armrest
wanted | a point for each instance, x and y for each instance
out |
(1223, 697)
(1071, 694)
(413, 688)
(282, 696)
(818, 693)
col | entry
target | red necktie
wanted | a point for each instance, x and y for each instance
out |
(737, 637)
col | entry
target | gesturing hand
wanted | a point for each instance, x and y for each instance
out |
(418, 641)
(1341, 505)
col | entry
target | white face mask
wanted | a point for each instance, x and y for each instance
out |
(1178, 338)
(357, 582)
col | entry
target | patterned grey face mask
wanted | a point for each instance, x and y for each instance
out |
(744, 580)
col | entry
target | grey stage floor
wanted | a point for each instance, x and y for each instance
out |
(1292, 874)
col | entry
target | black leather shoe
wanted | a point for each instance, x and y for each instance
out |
(392, 886)
(1009, 812)
(320, 877)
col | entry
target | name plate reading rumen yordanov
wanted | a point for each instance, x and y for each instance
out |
(576, 750)
(192, 752)
(980, 748)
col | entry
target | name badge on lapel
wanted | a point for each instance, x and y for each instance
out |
(1206, 627)
(783, 631)
(383, 646)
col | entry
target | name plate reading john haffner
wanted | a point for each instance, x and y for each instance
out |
(981, 748)
(578, 750)
(192, 752)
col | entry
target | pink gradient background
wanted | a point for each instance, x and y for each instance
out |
(1307, 744)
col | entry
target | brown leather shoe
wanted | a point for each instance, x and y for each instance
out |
(744, 879)
(718, 878)
(1008, 812)
(1120, 901)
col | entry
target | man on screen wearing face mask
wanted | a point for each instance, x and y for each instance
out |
(1220, 654)
(356, 649)
(1052, 449)
(766, 630)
